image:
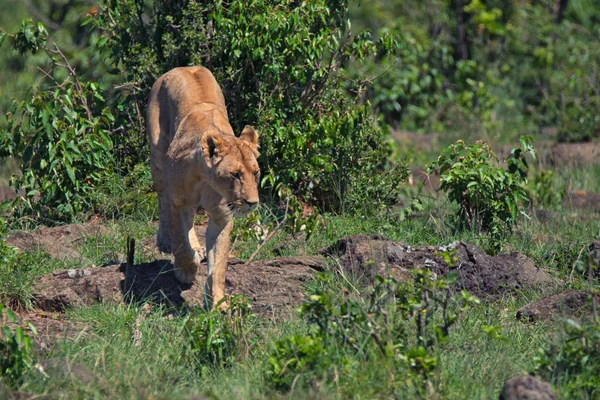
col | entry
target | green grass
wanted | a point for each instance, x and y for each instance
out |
(473, 364)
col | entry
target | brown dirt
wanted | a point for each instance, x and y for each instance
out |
(364, 256)
(527, 388)
(575, 154)
(272, 285)
(572, 303)
(60, 242)
(582, 200)
(51, 327)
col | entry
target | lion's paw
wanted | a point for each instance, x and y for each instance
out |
(187, 273)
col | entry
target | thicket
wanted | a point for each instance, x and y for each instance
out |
(501, 67)
(306, 77)
(278, 63)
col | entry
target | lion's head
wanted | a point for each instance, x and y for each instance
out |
(233, 170)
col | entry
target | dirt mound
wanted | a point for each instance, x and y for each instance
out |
(60, 242)
(7, 194)
(575, 154)
(365, 256)
(527, 388)
(572, 303)
(582, 200)
(271, 284)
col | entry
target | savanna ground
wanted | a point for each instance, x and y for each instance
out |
(98, 355)
(391, 323)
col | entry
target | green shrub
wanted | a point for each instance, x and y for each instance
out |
(278, 63)
(419, 84)
(548, 71)
(218, 338)
(489, 197)
(544, 190)
(61, 135)
(573, 361)
(389, 337)
(16, 351)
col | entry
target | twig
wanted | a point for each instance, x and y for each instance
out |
(575, 264)
(130, 251)
(72, 73)
(272, 233)
(591, 281)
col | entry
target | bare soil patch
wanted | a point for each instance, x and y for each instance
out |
(51, 327)
(272, 285)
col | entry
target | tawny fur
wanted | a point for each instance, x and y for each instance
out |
(196, 162)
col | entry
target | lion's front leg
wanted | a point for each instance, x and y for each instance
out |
(217, 248)
(163, 237)
(187, 260)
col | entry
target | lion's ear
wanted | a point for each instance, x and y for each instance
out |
(250, 136)
(213, 146)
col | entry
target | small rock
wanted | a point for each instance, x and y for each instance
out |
(527, 388)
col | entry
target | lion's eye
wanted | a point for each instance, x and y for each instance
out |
(256, 173)
(235, 175)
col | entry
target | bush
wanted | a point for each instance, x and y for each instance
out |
(16, 351)
(217, 338)
(555, 70)
(489, 197)
(278, 64)
(419, 84)
(61, 136)
(389, 338)
(544, 190)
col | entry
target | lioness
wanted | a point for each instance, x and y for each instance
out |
(197, 161)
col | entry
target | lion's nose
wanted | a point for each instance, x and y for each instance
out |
(251, 203)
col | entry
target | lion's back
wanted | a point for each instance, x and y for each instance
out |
(174, 96)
